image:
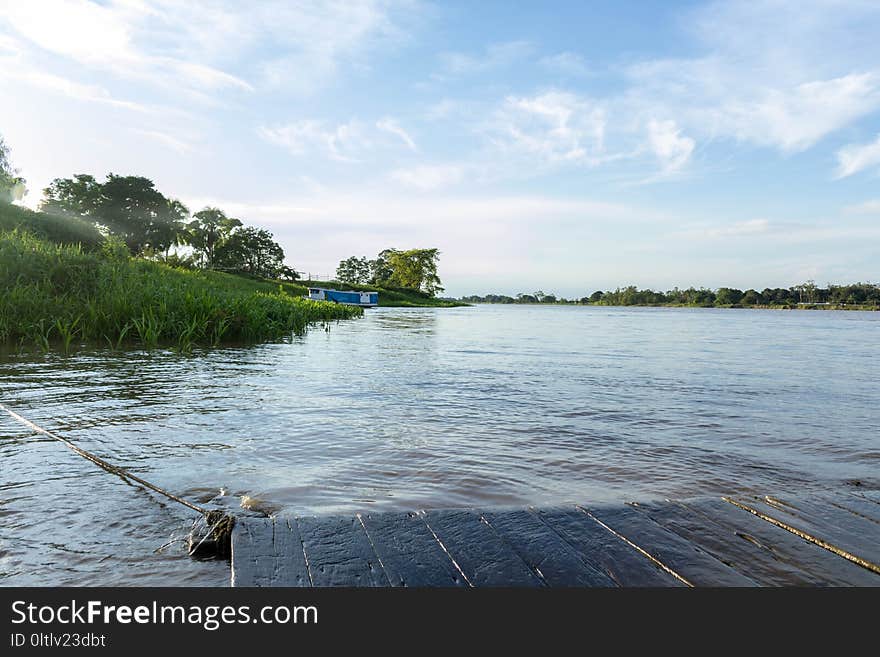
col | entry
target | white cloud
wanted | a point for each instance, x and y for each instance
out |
(555, 126)
(430, 177)
(195, 45)
(745, 228)
(866, 207)
(857, 157)
(672, 150)
(566, 63)
(391, 126)
(343, 142)
(495, 56)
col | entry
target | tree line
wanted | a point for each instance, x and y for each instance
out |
(131, 209)
(413, 269)
(856, 294)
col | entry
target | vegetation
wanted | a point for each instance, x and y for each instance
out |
(806, 295)
(151, 224)
(11, 184)
(64, 295)
(413, 270)
(399, 297)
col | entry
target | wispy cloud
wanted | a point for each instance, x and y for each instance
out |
(430, 177)
(555, 126)
(391, 126)
(856, 157)
(671, 149)
(343, 142)
(495, 56)
(566, 63)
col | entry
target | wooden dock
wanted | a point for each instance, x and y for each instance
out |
(740, 541)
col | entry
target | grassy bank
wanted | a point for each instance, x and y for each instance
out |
(61, 230)
(388, 296)
(63, 295)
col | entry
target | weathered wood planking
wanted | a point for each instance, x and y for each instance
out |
(713, 542)
(253, 552)
(730, 545)
(828, 567)
(837, 530)
(409, 552)
(688, 561)
(478, 551)
(339, 553)
(605, 551)
(556, 562)
(858, 505)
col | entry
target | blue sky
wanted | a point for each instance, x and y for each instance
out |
(565, 146)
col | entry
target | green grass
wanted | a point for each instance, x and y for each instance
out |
(388, 296)
(63, 295)
(54, 228)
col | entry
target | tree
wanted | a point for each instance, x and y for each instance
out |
(751, 298)
(728, 296)
(79, 196)
(380, 268)
(209, 228)
(415, 269)
(252, 251)
(169, 228)
(11, 184)
(129, 207)
(354, 270)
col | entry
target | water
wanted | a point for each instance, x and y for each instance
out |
(409, 408)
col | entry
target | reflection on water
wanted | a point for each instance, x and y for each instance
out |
(491, 405)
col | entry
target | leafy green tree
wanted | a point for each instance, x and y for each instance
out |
(751, 298)
(252, 251)
(79, 196)
(354, 270)
(596, 296)
(415, 269)
(11, 184)
(209, 228)
(728, 296)
(380, 268)
(132, 208)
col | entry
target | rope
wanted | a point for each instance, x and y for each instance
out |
(109, 467)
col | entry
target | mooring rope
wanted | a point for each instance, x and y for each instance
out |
(219, 523)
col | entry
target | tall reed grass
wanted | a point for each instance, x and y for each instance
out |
(62, 296)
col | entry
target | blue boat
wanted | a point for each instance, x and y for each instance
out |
(348, 297)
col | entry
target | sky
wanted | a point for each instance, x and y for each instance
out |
(555, 146)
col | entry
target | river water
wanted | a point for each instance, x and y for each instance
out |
(420, 408)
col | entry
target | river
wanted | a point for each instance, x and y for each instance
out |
(420, 408)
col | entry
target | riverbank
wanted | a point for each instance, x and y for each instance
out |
(62, 296)
(395, 297)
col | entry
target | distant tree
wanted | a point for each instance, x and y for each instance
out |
(549, 298)
(170, 227)
(11, 184)
(751, 298)
(728, 296)
(596, 296)
(522, 297)
(415, 269)
(380, 268)
(252, 251)
(354, 270)
(79, 196)
(288, 274)
(209, 228)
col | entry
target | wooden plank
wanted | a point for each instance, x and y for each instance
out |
(687, 560)
(726, 544)
(842, 532)
(858, 505)
(291, 568)
(339, 553)
(544, 551)
(605, 551)
(253, 553)
(409, 552)
(791, 549)
(483, 557)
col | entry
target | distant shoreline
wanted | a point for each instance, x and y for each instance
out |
(863, 307)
